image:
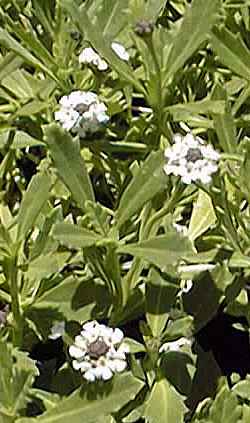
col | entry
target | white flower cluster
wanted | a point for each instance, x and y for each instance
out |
(191, 159)
(89, 56)
(98, 351)
(82, 112)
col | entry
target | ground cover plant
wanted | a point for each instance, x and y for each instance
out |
(124, 213)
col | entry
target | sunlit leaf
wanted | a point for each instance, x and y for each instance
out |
(165, 404)
(161, 251)
(232, 51)
(69, 163)
(35, 197)
(147, 182)
(77, 405)
(198, 20)
(203, 216)
(160, 297)
(74, 236)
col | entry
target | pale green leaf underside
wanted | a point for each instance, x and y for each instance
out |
(203, 216)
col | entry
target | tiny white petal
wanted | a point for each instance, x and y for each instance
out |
(89, 375)
(89, 56)
(117, 336)
(76, 364)
(175, 345)
(76, 352)
(118, 365)
(120, 51)
(106, 373)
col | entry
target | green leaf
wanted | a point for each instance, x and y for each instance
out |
(242, 389)
(153, 8)
(194, 29)
(21, 140)
(148, 181)
(134, 346)
(231, 51)
(179, 368)
(7, 41)
(75, 236)
(165, 404)
(43, 267)
(203, 216)
(102, 46)
(9, 64)
(112, 18)
(69, 163)
(73, 298)
(37, 194)
(224, 123)
(162, 251)
(244, 177)
(160, 297)
(245, 414)
(79, 405)
(225, 407)
(180, 327)
(239, 260)
(198, 107)
(17, 373)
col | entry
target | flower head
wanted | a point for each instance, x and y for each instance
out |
(82, 112)
(191, 159)
(90, 57)
(98, 351)
(144, 27)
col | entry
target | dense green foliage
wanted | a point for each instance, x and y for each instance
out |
(87, 226)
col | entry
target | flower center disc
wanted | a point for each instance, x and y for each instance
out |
(81, 108)
(194, 154)
(97, 349)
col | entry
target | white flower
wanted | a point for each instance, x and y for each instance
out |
(90, 56)
(191, 159)
(120, 51)
(82, 113)
(57, 330)
(99, 351)
(175, 345)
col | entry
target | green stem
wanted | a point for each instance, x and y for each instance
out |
(241, 100)
(150, 228)
(15, 301)
(168, 207)
(233, 157)
(158, 106)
